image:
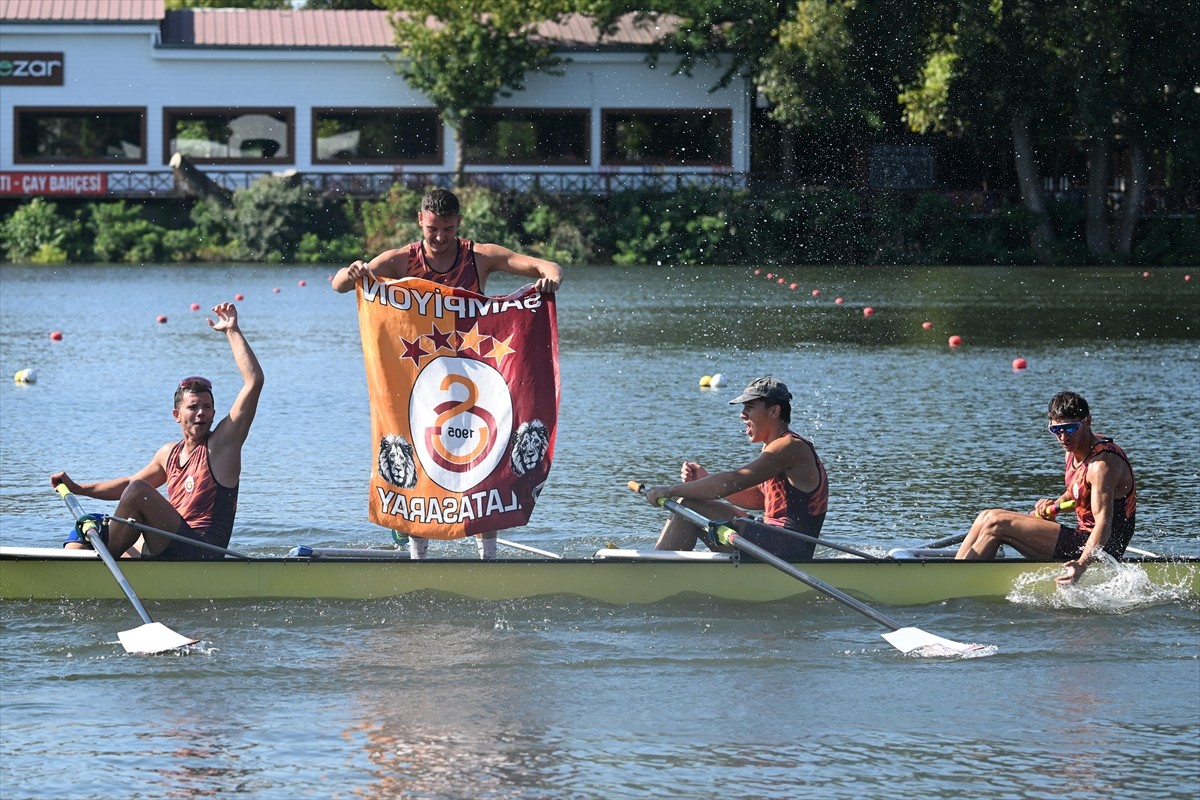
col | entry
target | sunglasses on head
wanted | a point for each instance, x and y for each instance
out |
(1066, 428)
(196, 380)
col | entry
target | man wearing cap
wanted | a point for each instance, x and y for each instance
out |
(786, 481)
(201, 471)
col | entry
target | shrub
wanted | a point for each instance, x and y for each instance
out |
(271, 217)
(392, 221)
(36, 233)
(121, 234)
(339, 250)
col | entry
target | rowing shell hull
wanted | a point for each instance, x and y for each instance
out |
(51, 574)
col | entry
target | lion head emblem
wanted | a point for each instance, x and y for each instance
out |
(396, 465)
(532, 442)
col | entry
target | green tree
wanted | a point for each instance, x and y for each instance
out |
(991, 67)
(463, 54)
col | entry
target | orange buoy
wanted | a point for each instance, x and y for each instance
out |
(955, 341)
(1019, 363)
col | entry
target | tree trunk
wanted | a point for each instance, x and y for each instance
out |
(1135, 196)
(1041, 237)
(460, 175)
(1096, 228)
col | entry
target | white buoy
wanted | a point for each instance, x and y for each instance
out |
(25, 376)
(717, 381)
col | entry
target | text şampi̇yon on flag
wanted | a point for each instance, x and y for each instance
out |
(464, 393)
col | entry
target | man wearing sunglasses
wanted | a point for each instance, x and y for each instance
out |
(201, 471)
(1099, 480)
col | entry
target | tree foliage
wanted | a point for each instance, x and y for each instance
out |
(463, 54)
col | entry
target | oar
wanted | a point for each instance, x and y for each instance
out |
(959, 538)
(152, 637)
(527, 548)
(904, 639)
(133, 523)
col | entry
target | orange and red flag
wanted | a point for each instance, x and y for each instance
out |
(464, 395)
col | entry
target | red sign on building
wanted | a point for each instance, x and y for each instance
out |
(45, 184)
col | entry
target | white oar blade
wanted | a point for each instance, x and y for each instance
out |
(907, 640)
(153, 637)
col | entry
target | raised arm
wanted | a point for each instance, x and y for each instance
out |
(225, 443)
(547, 275)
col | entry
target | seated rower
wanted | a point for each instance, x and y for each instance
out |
(786, 481)
(1099, 479)
(201, 471)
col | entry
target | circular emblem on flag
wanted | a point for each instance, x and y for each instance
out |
(460, 413)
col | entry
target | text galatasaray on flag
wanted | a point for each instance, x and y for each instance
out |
(464, 393)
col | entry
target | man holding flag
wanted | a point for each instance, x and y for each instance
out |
(461, 407)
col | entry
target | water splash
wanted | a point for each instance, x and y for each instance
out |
(1108, 586)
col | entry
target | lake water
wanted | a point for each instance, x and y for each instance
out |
(1092, 693)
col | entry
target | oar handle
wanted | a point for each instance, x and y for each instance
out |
(91, 531)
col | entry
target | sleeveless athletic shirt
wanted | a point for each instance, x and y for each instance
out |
(462, 274)
(204, 504)
(788, 507)
(1124, 508)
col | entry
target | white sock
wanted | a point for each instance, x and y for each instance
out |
(487, 549)
(418, 546)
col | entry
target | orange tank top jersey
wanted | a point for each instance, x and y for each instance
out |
(463, 274)
(1124, 508)
(194, 492)
(788, 507)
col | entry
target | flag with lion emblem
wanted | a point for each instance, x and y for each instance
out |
(464, 395)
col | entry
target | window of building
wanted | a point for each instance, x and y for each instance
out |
(526, 136)
(376, 136)
(80, 135)
(690, 137)
(226, 136)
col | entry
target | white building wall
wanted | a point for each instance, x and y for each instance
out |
(120, 66)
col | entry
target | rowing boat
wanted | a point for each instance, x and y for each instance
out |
(610, 576)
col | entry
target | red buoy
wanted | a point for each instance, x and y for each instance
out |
(239, 297)
(955, 341)
(56, 336)
(757, 272)
(780, 281)
(926, 325)
(792, 287)
(195, 306)
(161, 319)
(302, 283)
(839, 300)
(275, 290)
(816, 292)
(868, 311)
(1019, 363)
